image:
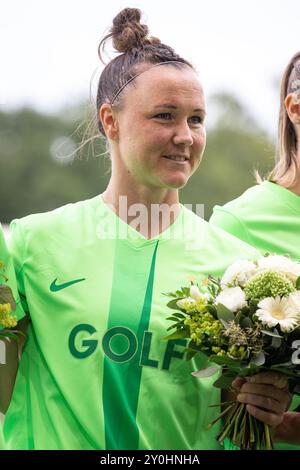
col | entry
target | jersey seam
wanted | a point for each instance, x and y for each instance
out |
(249, 239)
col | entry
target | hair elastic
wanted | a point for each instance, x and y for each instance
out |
(138, 74)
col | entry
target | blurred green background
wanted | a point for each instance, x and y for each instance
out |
(41, 167)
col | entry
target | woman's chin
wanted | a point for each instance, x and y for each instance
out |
(177, 182)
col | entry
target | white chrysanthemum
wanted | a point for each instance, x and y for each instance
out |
(281, 264)
(197, 295)
(233, 298)
(278, 311)
(238, 273)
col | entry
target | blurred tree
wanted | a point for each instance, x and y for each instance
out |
(39, 171)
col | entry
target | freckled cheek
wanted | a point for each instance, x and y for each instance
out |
(199, 144)
(156, 137)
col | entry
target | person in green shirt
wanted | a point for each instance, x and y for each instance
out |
(8, 347)
(267, 216)
(96, 372)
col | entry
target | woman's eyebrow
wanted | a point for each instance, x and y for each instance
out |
(172, 106)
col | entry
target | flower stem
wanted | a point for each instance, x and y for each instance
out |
(240, 411)
(269, 444)
(229, 423)
(252, 435)
(223, 403)
(220, 416)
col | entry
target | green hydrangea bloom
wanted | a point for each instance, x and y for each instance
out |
(205, 329)
(191, 305)
(268, 284)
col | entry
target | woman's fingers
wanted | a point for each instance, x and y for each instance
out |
(238, 382)
(268, 378)
(282, 396)
(272, 419)
(271, 378)
(266, 396)
(267, 402)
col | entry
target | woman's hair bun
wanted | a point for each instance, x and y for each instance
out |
(128, 33)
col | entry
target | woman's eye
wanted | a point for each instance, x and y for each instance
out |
(165, 116)
(196, 120)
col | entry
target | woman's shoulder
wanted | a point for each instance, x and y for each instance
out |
(234, 215)
(57, 220)
(247, 200)
(254, 200)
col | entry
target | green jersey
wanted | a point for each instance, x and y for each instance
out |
(266, 216)
(96, 371)
(7, 271)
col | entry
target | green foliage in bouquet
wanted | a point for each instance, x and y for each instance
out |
(7, 306)
(246, 322)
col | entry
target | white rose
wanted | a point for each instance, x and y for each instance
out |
(281, 264)
(233, 298)
(238, 273)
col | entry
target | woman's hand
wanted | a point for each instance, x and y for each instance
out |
(8, 371)
(266, 395)
(289, 430)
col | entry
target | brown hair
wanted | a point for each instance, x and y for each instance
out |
(285, 171)
(132, 40)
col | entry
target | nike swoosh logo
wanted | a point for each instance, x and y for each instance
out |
(56, 287)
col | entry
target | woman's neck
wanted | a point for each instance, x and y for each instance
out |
(295, 187)
(150, 211)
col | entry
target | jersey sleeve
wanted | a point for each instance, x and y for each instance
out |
(9, 273)
(16, 244)
(225, 219)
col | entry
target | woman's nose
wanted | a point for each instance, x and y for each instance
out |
(183, 135)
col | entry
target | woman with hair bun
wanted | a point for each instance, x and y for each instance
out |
(267, 216)
(8, 317)
(96, 372)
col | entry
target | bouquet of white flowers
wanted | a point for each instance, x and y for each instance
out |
(247, 322)
(7, 306)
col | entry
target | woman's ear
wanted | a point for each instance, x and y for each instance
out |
(109, 121)
(292, 105)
